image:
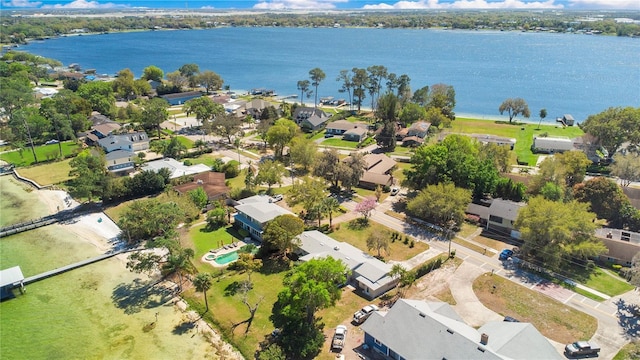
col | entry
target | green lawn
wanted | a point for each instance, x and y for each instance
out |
(357, 237)
(339, 143)
(523, 133)
(188, 143)
(43, 152)
(609, 284)
(49, 173)
(630, 351)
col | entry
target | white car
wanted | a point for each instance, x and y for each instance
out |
(395, 191)
(277, 197)
(363, 314)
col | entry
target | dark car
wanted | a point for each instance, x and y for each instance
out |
(510, 319)
(582, 348)
(505, 254)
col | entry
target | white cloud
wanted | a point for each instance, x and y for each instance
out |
(470, 4)
(20, 3)
(83, 4)
(605, 4)
(298, 4)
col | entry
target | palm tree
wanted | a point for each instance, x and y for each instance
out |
(316, 75)
(202, 283)
(179, 263)
(397, 271)
(331, 205)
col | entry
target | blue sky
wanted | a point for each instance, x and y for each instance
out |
(325, 4)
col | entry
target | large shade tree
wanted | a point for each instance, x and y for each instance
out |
(615, 126)
(557, 235)
(280, 234)
(515, 107)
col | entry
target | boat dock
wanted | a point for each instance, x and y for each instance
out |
(63, 269)
(45, 221)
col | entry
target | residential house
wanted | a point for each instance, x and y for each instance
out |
(176, 168)
(411, 141)
(378, 171)
(357, 134)
(419, 129)
(568, 119)
(254, 107)
(368, 274)
(213, 184)
(181, 98)
(134, 142)
(622, 245)
(414, 329)
(310, 119)
(551, 145)
(501, 216)
(254, 212)
(120, 161)
(339, 127)
(499, 140)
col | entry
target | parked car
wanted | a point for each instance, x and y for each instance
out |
(510, 319)
(277, 197)
(505, 254)
(395, 191)
(52, 141)
(582, 349)
(339, 337)
(328, 135)
(363, 314)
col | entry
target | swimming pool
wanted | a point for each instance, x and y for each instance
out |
(227, 258)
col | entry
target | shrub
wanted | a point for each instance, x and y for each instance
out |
(412, 244)
(616, 267)
(406, 240)
(187, 162)
(231, 169)
(424, 269)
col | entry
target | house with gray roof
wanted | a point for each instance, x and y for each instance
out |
(357, 134)
(368, 274)
(498, 140)
(253, 214)
(419, 129)
(339, 127)
(414, 329)
(310, 119)
(120, 161)
(502, 214)
(134, 141)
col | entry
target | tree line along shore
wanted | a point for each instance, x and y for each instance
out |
(19, 26)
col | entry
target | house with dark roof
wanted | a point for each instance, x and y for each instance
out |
(419, 129)
(213, 184)
(368, 274)
(254, 107)
(378, 171)
(181, 98)
(502, 214)
(253, 213)
(415, 330)
(310, 119)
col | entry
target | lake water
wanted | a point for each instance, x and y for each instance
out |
(564, 73)
(96, 312)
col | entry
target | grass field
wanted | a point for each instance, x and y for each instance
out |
(43, 152)
(340, 143)
(552, 318)
(356, 236)
(523, 133)
(48, 174)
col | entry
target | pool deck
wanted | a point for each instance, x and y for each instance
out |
(221, 251)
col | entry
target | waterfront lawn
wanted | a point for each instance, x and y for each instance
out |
(43, 152)
(356, 235)
(552, 318)
(205, 239)
(523, 133)
(49, 173)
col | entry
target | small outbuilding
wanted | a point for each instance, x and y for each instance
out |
(9, 279)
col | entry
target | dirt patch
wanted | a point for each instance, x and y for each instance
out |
(434, 284)
(552, 318)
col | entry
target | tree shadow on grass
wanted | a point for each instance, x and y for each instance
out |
(138, 295)
(358, 224)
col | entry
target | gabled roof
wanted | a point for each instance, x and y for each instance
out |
(378, 179)
(118, 154)
(262, 212)
(341, 125)
(419, 127)
(314, 121)
(303, 112)
(426, 330)
(106, 128)
(379, 163)
(505, 209)
(369, 270)
(357, 131)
